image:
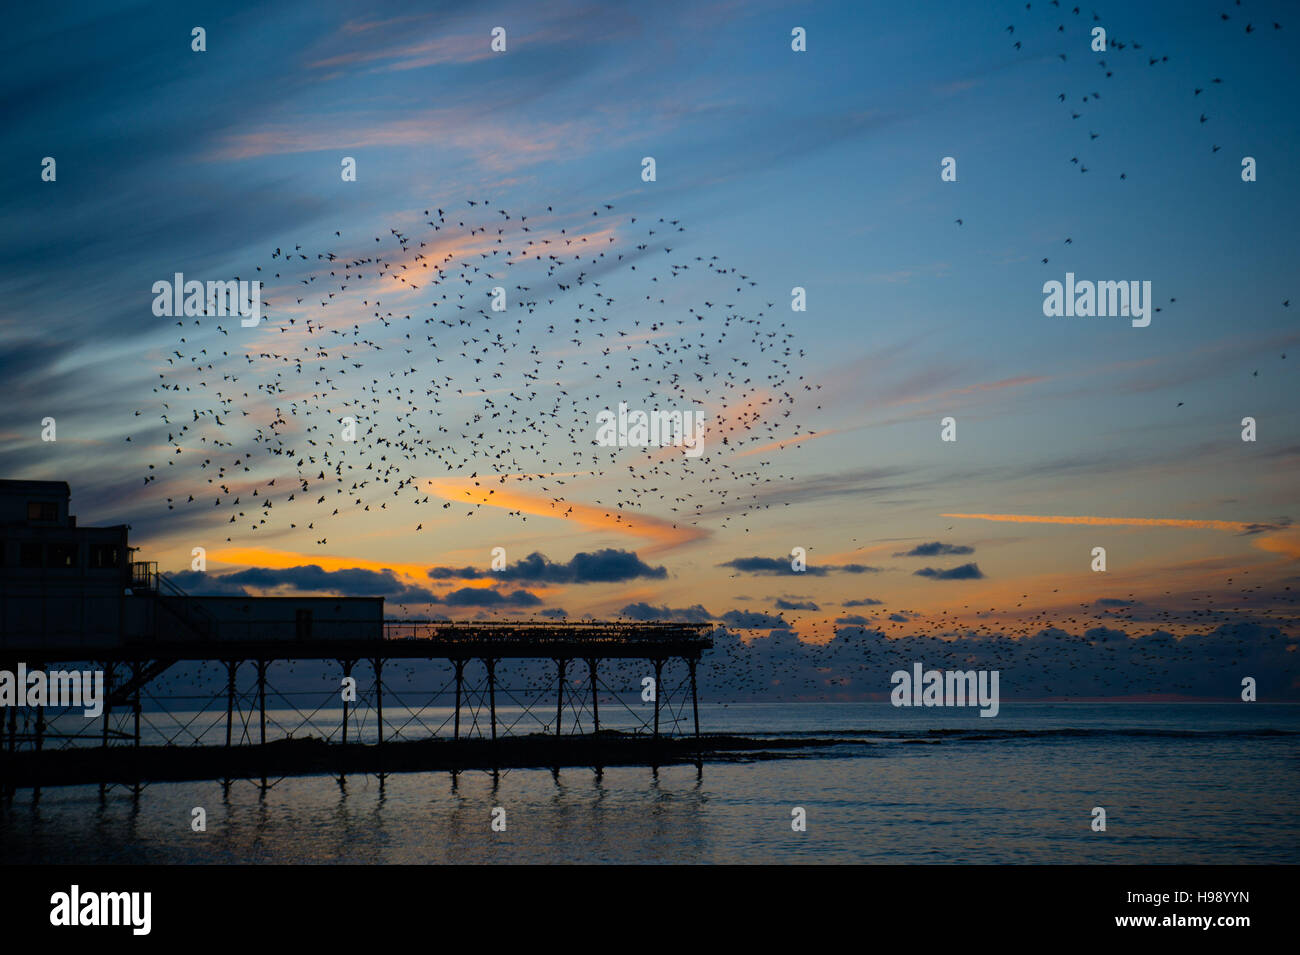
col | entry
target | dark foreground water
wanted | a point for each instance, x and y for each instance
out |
(1180, 783)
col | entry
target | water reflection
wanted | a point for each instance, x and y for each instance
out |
(893, 798)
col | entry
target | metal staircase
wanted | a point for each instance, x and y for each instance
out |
(180, 612)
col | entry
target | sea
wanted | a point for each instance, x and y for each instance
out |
(1178, 783)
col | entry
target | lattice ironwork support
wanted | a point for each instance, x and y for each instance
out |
(460, 679)
(659, 673)
(261, 699)
(695, 699)
(231, 667)
(563, 665)
(347, 672)
(492, 692)
(378, 665)
(135, 705)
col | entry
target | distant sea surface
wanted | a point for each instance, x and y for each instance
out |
(1180, 783)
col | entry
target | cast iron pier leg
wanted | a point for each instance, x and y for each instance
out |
(231, 667)
(695, 700)
(135, 701)
(659, 671)
(261, 697)
(492, 693)
(460, 674)
(379, 696)
(347, 672)
(559, 696)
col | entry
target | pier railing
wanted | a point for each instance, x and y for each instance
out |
(443, 631)
(189, 632)
(541, 631)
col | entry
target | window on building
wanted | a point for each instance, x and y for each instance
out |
(62, 556)
(42, 511)
(105, 555)
(29, 554)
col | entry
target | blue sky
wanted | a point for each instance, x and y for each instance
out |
(816, 169)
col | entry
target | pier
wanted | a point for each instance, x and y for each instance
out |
(71, 598)
(40, 755)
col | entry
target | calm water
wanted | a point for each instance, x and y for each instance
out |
(1179, 782)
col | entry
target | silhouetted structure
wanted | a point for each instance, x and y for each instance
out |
(74, 594)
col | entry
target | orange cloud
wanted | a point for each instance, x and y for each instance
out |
(414, 573)
(280, 559)
(498, 145)
(1235, 526)
(777, 445)
(665, 534)
(1287, 544)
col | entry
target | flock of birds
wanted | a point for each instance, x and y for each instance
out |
(439, 383)
(1097, 650)
(1116, 48)
(1043, 654)
(1078, 104)
(600, 309)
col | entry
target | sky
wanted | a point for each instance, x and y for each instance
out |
(817, 169)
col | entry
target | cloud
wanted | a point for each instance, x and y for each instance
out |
(665, 534)
(752, 620)
(856, 484)
(1287, 544)
(782, 604)
(645, 612)
(1261, 528)
(964, 572)
(864, 602)
(444, 49)
(1240, 527)
(1097, 663)
(497, 144)
(770, 565)
(1273, 536)
(853, 619)
(788, 442)
(266, 557)
(780, 566)
(603, 566)
(201, 584)
(555, 613)
(27, 362)
(936, 549)
(487, 597)
(347, 582)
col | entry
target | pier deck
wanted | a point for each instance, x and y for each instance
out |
(404, 639)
